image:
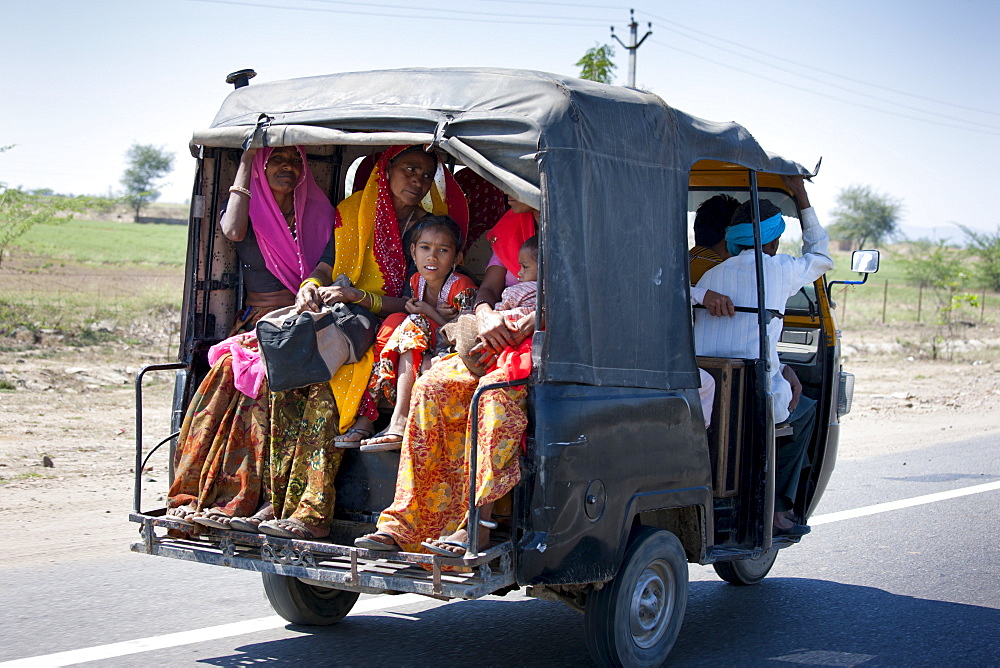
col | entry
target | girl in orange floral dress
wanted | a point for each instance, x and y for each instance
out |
(431, 497)
(440, 294)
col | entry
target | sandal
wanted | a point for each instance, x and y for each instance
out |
(444, 552)
(371, 542)
(373, 444)
(352, 443)
(290, 528)
(173, 516)
(212, 518)
(252, 524)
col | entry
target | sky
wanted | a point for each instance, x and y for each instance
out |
(901, 96)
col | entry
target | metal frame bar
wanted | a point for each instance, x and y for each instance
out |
(329, 564)
(137, 490)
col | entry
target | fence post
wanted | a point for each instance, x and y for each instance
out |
(885, 294)
(920, 299)
(982, 307)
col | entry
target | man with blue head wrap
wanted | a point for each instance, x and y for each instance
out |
(739, 336)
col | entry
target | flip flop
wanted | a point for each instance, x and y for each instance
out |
(289, 528)
(208, 520)
(360, 431)
(251, 524)
(383, 445)
(369, 543)
(178, 519)
(428, 545)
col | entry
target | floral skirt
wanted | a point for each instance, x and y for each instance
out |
(432, 487)
(304, 459)
(399, 333)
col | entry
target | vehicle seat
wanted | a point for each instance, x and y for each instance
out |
(725, 434)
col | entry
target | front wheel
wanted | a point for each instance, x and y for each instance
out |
(634, 619)
(306, 604)
(746, 571)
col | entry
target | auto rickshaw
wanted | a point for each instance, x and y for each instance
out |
(622, 485)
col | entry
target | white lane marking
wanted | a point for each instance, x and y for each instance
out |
(904, 503)
(190, 637)
(382, 603)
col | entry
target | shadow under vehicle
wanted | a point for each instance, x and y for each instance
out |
(622, 485)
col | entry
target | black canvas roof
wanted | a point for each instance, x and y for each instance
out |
(607, 166)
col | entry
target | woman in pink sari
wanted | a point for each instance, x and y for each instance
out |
(281, 223)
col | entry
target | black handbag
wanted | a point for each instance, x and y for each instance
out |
(301, 349)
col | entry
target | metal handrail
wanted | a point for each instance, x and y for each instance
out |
(139, 461)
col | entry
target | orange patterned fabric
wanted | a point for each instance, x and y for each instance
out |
(222, 450)
(433, 482)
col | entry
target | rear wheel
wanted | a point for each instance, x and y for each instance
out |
(301, 603)
(746, 571)
(634, 619)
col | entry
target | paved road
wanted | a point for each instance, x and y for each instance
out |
(913, 586)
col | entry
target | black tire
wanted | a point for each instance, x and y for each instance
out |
(634, 619)
(746, 571)
(301, 603)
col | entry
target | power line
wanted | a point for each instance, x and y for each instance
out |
(844, 88)
(830, 97)
(881, 87)
(444, 14)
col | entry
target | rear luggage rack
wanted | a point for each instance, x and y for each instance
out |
(327, 564)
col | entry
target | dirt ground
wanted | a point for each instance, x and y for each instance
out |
(73, 407)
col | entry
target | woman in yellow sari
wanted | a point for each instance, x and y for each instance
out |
(369, 233)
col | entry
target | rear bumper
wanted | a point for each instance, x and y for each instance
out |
(328, 564)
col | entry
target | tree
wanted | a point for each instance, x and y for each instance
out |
(862, 215)
(146, 164)
(596, 64)
(987, 248)
(943, 269)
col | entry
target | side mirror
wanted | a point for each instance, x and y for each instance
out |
(864, 261)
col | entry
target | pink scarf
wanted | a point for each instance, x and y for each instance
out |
(290, 258)
(248, 367)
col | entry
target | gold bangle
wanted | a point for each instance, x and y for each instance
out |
(376, 302)
(361, 298)
(314, 281)
(241, 189)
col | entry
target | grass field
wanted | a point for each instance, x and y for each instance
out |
(107, 243)
(83, 278)
(86, 279)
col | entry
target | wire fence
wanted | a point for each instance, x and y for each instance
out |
(888, 303)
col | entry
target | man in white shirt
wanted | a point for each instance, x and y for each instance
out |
(738, 336)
